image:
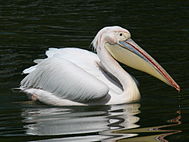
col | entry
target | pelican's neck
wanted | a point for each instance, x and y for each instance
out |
(111, 65)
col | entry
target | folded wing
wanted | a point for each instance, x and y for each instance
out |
(66, 80)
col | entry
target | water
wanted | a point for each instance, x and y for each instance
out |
(28, 28)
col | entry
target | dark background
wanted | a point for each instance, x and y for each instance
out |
(28, 28)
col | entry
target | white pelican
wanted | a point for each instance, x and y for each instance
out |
(72, 76)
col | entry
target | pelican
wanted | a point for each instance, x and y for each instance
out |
(73, 76)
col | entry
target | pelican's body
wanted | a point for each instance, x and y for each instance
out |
(73, 76)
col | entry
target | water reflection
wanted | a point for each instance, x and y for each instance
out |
(77, 121)
(153, 134)
(95, 123)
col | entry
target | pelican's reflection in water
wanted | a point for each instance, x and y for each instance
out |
(94, 122)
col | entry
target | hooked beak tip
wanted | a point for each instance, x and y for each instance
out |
(177, 87)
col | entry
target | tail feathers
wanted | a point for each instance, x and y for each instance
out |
(16, 89)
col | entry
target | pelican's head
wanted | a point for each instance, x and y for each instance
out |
(117, 41)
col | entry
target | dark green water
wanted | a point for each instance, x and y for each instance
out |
(28, 28)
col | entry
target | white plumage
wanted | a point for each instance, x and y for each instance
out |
(73, 76)
(72, 69)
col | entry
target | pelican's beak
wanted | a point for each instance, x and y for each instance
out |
(129, 53)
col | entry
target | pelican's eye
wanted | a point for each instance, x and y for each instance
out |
(120, 34)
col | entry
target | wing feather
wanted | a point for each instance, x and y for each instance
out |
(66, 80)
